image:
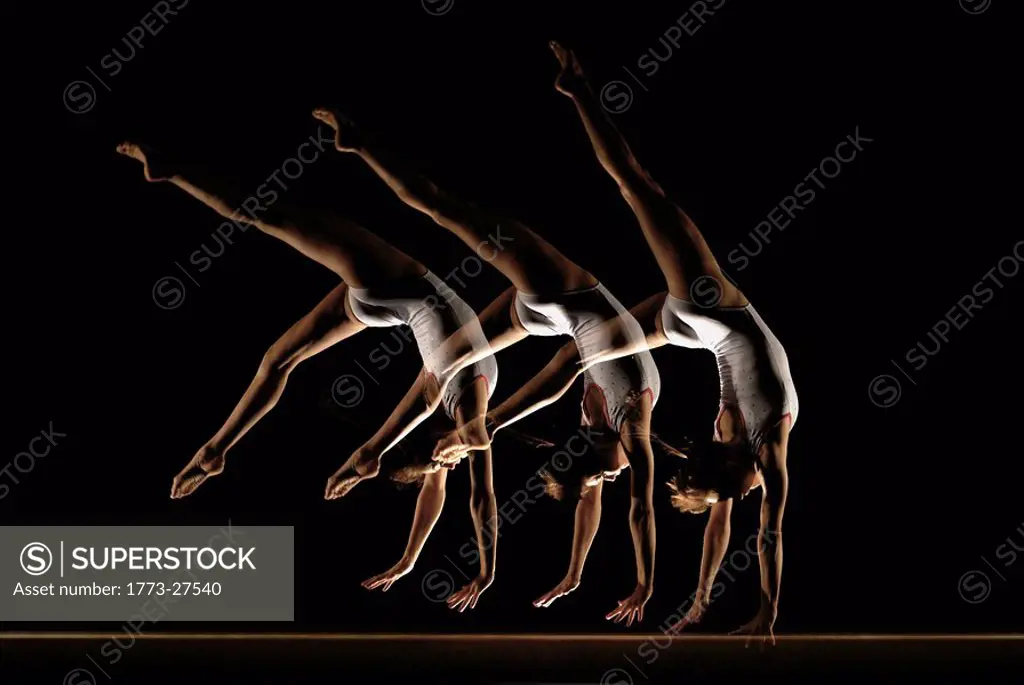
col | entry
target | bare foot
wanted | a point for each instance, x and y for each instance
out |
(570, 80)
(154, 166)
(205, 464)
(357, 469)
(347, 137)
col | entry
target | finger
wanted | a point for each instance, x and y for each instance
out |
(387, 585)
(539, 602)
(641, 614)
(629, 617)
(455, 597)
(476, 598)
(612, 614)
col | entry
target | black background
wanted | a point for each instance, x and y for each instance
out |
(888, 507)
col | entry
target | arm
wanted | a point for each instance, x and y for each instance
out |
(484, 510)
(775, 480)
(588, 519)
(543, 389)
(641, 524)
(428, 509)
(716, 542)
(776, 487)
(636, 442)
(483, 505)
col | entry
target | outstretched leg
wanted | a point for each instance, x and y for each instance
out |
(530, 262)
(355, 254)
(678, 246)
(327, 324)
(418, 404)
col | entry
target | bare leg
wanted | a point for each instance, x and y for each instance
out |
(352, 252)
(678, 246)
(327, 324)
(530, 262)
(419, 403)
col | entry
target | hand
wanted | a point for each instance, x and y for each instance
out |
(388, 578)
(761, 626)
(449, 449)
(693, 616)
(631, 608)
(567, 585)
(467, 597)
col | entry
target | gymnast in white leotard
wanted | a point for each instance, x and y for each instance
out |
(758, 402)
(551, 295)
(381, 286)
(435, 314)
(753, 370)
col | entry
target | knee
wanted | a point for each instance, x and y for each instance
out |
(277, 363)
(643, 190)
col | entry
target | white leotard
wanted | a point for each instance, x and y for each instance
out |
(583, 315)
(434, 313)
(752, 364)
